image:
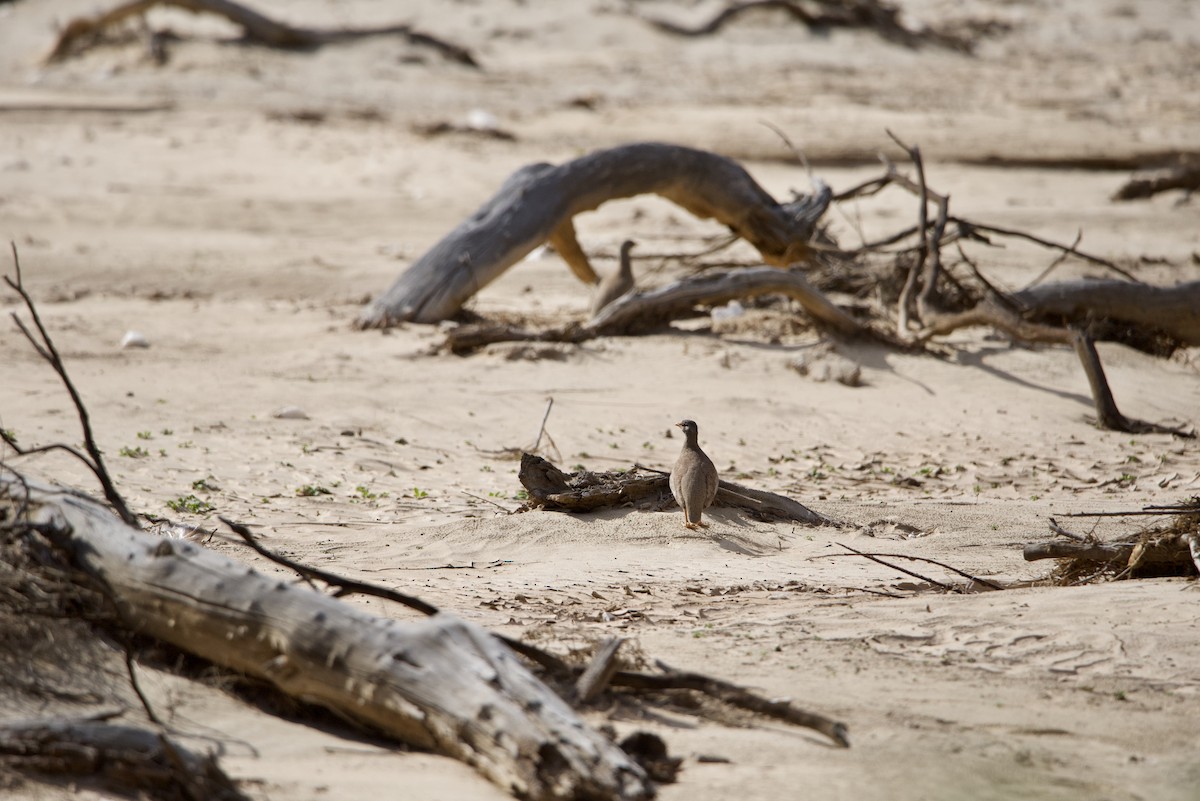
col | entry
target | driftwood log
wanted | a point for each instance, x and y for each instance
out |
(537, 203)
(881, 17)
(585, 491)
(119, 758)
(1171, 551)
(443, 684)
(1173, 311)
(80, 32)
(1185, 177)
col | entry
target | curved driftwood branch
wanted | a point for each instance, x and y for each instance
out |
(256, 27)
(538, 201)
(443, 683)
(586, 491)
(721, 286)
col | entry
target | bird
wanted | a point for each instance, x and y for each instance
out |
(693, 478)
(617, 283)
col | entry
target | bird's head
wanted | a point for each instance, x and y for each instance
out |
(689, 427)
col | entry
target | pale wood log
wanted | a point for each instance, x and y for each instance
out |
(443, 683)
(537, 201)
(586, 491)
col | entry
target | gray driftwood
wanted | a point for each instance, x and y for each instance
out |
(1172, 310)
(1169, 550)
(537, 203)
(82, 32)
(119, 758)
(640, 311)
(443, 683)
(585, 491)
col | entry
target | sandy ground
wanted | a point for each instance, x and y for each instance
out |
(237, 205)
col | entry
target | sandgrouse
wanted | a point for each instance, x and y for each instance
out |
(694, 477)
(615, 284)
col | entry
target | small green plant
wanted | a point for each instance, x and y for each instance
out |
(578, 468)
(522, 495)
(487, 468)
(144, 435)
(419, 493)
(187, 443)
(312, 490)
(202, 485)
(365, 493)
(162, 451)
(166, 432)
(10, 435)
(497, 494)
(190, 504)
(134, 453)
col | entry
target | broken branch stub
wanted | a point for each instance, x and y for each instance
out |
(443, 683)
(537, 203)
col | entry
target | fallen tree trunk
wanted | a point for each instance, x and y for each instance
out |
(1173, 311)
(537, 203)
(444, 684)
(119, 758)
(1185, 177)
(586, 491)
(82, 31)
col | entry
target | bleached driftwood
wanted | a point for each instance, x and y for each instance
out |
(444, 684)
(537, 203)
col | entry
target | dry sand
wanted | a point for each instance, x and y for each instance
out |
(192, 202)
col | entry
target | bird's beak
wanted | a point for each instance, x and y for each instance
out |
(679, 425)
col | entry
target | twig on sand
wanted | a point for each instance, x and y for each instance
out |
(45, 348)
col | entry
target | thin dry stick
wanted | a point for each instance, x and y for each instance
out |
(943, 565)
(733, 695)
(1057, 529)
(50, 354)
(505, 509)
(1059, 259)
(910, 283)
(874, 558)
(973, 227)
(542, 428)
(933, 267)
